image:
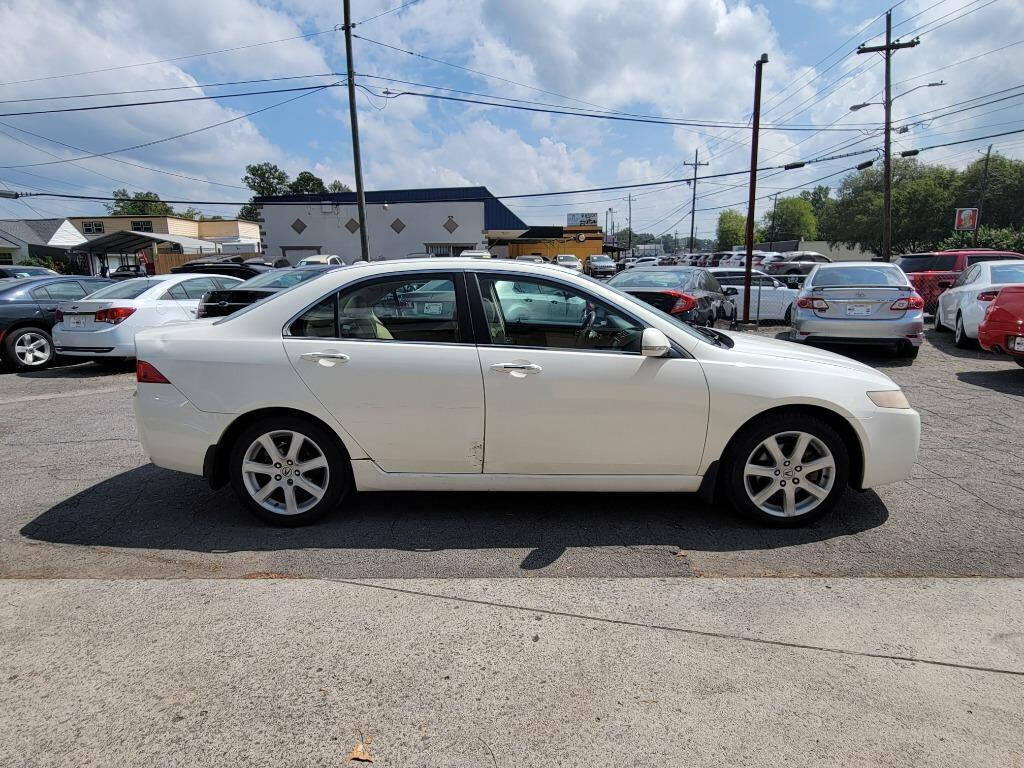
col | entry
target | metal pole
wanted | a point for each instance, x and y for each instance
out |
(693, 199)
(354, 118)
(981, 202)
(758, 65)
(630, 199)
(887, 203)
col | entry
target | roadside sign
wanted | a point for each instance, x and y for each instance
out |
(966, 219)
(581, 219)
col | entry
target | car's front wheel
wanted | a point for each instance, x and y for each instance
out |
(288, 471)
(786, 470)
(28, 349)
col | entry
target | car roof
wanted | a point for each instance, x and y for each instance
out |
(834, 264)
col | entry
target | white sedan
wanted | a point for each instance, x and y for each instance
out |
(323, 389)
(102, 326)
(770, 299)
(962, 306)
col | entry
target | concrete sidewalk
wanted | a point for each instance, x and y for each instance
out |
(524, 672)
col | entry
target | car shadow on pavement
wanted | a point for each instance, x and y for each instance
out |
(870, 354)
(943, 342)
(75, 370)
(1009, 381)
(152, 508)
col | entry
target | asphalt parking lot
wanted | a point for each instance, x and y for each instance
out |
(81, 500)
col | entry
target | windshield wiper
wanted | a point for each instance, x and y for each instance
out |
(713, 335)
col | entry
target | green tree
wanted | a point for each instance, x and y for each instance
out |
(337, 186)
(190, 213)
(139, 204)
(792, 218)
(1004, 192)
(263, 179)
(307, 183)
(823, 206)
(731, 231)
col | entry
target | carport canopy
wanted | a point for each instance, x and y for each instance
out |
(129, 241)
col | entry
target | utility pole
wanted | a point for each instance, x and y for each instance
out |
(354, 118)
(759, 66)
(693, 201)
(771, 245)
(629, 197)
(981, 201)
(887, 50)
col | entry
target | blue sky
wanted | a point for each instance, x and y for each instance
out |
(667, 58)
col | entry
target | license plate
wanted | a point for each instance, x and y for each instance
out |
(432, 308)
(76, 321)
(858, 310)
(1018, 344)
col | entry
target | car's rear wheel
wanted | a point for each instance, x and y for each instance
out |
(288, 471)
(788, 317)
(28, 349)
(786, 470)
(960, 337)
(937, 321)
(908, 350)
(1019, 361)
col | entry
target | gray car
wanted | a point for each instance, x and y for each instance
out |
(859, 303)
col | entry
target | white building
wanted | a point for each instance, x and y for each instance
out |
(21, 238)
(400, 223)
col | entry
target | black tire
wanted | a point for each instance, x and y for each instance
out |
(10, 345)
(788, 317)
(960, 337)
(744, 444)
(908, 351)
(337, 477)
(1019, 361)
(937, 322)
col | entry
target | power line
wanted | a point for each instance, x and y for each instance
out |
(956, 63)
(178, 135)
(950, 21)
(335, 28)
(121, 105)
(168, 88)
(385, 13)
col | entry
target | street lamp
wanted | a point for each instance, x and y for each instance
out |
(887, 104)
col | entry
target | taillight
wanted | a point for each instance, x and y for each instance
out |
(911, 302)
(146, 373)
(810, 303)
(60, 316)
(684, 302)
(988, 295)
(114, 315)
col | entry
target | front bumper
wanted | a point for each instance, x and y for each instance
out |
(173, 432)
(891, 440)
(809, 327)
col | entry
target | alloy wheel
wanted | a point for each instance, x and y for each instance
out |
(285, 472)
(32, 349)
(789, 474)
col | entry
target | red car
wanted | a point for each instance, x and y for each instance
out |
(1002, 330)
(932, 273)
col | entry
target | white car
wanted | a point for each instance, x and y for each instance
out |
(770, 299)
(643, 261)
(321, 258)
(962, 306)
(321, 390)
(568, 261)
(103, 324)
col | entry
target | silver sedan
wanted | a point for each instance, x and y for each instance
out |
(859, 303)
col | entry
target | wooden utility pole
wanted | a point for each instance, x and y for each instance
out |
(981, 200)
(887, 51)
(693, 202)
(354, 118)
(758, 66)
(629, 197)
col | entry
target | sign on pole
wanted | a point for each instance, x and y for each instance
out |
(966, 219)
(581, 219)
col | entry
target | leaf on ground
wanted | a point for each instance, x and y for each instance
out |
(361, 752)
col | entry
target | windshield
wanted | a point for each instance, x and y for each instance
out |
(129, 289)
(1011, 273)
(652, 278)
(27, 271)
(566, 259)
(836, 277)
(600, 259)
(284, 278)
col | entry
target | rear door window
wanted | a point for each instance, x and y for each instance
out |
(67, 291)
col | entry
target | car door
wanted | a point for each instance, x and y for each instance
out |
(394, 361)
(951, 299)
(49, 296)
(575, 396)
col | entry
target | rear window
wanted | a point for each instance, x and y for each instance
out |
(1008, 274)
(281, 279)
(651, 279)
(861, 276)
(989, 257)
(928, 262)
(129, 289)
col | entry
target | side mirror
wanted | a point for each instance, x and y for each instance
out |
(654, 343)
(730, 290)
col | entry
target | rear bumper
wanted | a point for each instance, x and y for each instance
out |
(999, 338)
(891, 441)
(173, 432)
(808, 327)
(109, 342)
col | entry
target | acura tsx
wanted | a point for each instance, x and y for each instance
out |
(455, 374)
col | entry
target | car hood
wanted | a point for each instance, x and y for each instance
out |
(758, 346)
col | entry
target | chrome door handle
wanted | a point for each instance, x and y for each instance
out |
(314, 356)
(524, 367)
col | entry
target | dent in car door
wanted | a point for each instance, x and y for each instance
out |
(394, 362)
